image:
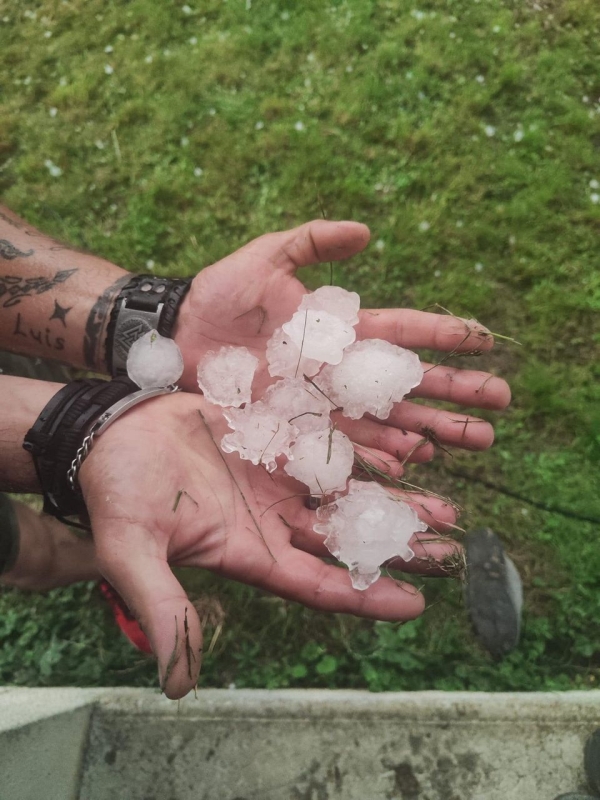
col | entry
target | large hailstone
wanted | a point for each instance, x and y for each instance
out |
(366, 528)
(154, 361)
(322, 460)
(295, 400)
(258, 435)
(334, 300)
(286, 361)
(226, 377)
(372, 376)
(319, 335)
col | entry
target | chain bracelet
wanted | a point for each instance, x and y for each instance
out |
(109, 416)
(81, 454)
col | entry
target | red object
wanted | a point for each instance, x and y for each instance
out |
(124, 618)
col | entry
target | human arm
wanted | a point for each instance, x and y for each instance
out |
(241, 300)
(55, 301)
(160, 494)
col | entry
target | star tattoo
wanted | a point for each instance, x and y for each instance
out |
(60, 312)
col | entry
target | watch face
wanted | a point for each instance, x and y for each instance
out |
(128, 332)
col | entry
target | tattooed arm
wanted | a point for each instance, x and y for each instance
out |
(54, 302)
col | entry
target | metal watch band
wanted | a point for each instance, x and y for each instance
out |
(145, 303)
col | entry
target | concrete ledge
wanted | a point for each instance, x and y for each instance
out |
(43, 734)
(292, 745)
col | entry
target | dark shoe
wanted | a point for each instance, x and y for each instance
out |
(493, 592)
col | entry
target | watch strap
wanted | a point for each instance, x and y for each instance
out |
(145, 303)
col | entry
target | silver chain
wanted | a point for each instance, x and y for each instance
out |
(81, 454)
(109, 416)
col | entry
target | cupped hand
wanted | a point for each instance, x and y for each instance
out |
(160, 493)
(243, 298)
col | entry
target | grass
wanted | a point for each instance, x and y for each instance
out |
(467, 135)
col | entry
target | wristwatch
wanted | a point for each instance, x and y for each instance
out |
(145, 303)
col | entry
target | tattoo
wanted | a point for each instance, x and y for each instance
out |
(60, 313)
(10, 252)
(97, 322)
(15, 223)
(41, 337)
(17, 288)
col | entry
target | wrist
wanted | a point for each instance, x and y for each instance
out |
(144, 303)
(64, 432)
(23, 400)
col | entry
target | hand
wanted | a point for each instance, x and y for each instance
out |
(243, 298)
(160, 492)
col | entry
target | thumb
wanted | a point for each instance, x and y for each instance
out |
(312, 243)
(159, 603)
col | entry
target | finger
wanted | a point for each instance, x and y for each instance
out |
(305, 579)
(416, 329)
(438, 512)
(160, 604)
(312, 243)
(378, 460)
(456, 430)
(465, 387)
(431, 552)
(434, 556)
(395, 441)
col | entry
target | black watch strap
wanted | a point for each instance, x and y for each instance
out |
(145, 303)
(59, 431)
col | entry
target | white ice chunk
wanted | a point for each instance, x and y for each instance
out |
(366, 528)
(285, 360)
(299, 403)
(322, 460)
(258, 434)
(372, 376)
(320, 335)
(154, 360)
(226, 377)
(334, 300)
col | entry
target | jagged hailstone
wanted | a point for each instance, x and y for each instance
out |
(366, 528)
(335, 300)
(372, 376)
(298, 402)
(319, 335)
(154, 361)
(285, 360)
(258, 435)
(226, 377)
(322, 460)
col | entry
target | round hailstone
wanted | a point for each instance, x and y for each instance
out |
(226, 377)
(299, 403)
(154, 361)
(320, 335)
(372, 376)
(334, 300)
(258, 435)
(284, 358)
(366, 528)
(322, 460)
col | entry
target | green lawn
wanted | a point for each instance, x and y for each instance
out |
(466, 134)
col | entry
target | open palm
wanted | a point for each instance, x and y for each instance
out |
(243, 298)
(160, 493)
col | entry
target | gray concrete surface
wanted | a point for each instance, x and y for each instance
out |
(295, 745)
(43, 735)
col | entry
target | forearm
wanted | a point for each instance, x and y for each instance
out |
(21, 402)
(55, 302)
